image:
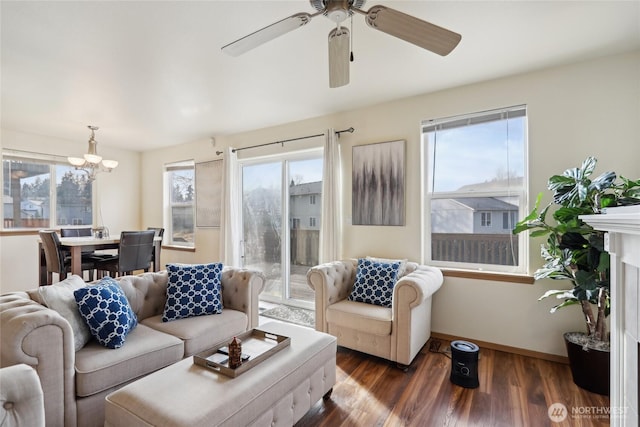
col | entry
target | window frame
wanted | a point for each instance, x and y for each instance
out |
(169, 204)
(427, 195)
(53, 162)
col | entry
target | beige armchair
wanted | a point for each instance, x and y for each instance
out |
(397, 333)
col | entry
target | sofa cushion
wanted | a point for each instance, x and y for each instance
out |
(59, 297)
(193, 290)
(374, 282)
(107, 312)
(202, 332)
(146, 351)
(368, 318)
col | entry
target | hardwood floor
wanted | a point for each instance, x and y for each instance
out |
(514, 391)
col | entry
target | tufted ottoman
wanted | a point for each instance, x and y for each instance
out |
(276, 392)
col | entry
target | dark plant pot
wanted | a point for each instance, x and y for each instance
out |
(590, 368)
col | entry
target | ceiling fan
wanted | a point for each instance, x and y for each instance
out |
(406, 27)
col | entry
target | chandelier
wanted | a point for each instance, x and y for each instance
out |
(91, 163)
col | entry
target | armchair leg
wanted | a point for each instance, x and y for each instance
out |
(403, 368)
(327, 395)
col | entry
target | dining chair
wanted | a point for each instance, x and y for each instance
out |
(159, 234)
(57, 261)
(80, 232)
(134, 253)
(158, 230)
(75, 232)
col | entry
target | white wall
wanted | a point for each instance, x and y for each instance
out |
(117, 194)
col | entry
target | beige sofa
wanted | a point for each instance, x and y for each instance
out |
(397, 333)
(75, 383)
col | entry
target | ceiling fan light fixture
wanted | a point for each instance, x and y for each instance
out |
(339, 57)
(338, 10)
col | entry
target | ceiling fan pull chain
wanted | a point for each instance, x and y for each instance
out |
(351, 41)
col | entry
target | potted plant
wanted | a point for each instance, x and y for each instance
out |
(574, 251)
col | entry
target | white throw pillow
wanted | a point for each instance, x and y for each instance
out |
(59, 297)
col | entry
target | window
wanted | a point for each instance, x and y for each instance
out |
(474, 169)
(30, 201)
(180, 199)
(485, 220)
(509, 220)
(312, 222)
(312, 199)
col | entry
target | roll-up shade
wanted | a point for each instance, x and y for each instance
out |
(473, 119)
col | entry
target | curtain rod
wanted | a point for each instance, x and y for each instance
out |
(338, 132)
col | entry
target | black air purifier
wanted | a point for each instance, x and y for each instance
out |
(464, 364)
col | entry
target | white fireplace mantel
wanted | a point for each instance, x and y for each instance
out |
(622, 241)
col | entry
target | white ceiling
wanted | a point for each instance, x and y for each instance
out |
(151, 73)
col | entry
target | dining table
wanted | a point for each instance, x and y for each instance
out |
(77, 245)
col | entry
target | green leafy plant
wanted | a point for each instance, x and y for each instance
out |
(574, 251)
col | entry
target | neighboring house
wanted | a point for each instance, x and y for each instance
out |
(68, 214)
(305, 205)
(32, 208)
(485, 215)
(28, 208)
(33, 213)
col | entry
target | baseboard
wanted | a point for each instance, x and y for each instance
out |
(505, 348)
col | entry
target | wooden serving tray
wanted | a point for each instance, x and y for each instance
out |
(257, 344)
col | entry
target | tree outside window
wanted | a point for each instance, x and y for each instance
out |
(179, 221)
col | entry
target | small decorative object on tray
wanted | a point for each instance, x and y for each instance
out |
(256, 346)
(235, 353)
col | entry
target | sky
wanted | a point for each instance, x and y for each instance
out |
(268, 175)
(477, 153)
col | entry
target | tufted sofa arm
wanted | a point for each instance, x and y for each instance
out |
(241, 289)
(415, 287)
(39, 337)
(21, 397)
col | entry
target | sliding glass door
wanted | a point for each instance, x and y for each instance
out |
(281, 205)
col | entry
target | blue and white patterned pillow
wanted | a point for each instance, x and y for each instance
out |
(193, 290)
(374, 282)
(107, 312)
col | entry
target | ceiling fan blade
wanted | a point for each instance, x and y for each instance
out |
(266, 34)
(338, 57)
(413, 30)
